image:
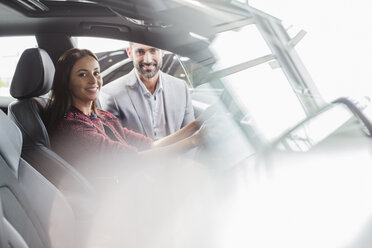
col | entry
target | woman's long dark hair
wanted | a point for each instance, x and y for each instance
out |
(60, 101)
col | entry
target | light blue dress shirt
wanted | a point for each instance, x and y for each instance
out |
(156, 105)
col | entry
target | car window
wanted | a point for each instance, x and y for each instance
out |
(11, 49)
(98, 45)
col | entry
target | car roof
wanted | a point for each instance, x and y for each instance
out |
(161, 23)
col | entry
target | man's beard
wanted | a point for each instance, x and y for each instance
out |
(148, 73)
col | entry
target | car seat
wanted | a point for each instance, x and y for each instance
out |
(34, 213)
(33, 78)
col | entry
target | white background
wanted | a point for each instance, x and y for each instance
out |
(338, 45)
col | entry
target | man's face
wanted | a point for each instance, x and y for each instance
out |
(147, 60)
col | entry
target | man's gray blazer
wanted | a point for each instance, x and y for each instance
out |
(123, 98)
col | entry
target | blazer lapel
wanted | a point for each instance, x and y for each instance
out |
(169, 99)
(140, 105)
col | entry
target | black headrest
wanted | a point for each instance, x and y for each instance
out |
(26, 114)
(10, 142)
(33, 75)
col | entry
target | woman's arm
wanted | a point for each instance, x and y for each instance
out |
(175, 147)
(187, 130)
(181, 134)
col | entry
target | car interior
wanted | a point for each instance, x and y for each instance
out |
(45, 201)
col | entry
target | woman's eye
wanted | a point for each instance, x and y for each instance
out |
(82, 75)
(96, 73)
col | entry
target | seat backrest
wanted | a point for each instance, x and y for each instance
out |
(32, 79)
(35, 213)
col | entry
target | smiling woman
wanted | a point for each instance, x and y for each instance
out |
(76, 126)
(70, 85)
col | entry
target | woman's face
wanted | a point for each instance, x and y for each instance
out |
(85, 81)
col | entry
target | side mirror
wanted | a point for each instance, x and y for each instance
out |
(336, 117)
(359, 111)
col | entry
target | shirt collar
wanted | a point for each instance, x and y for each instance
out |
(145, 91)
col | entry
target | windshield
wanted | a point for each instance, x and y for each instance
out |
(247, 69)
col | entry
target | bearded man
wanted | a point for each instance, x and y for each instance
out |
(147, 100)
